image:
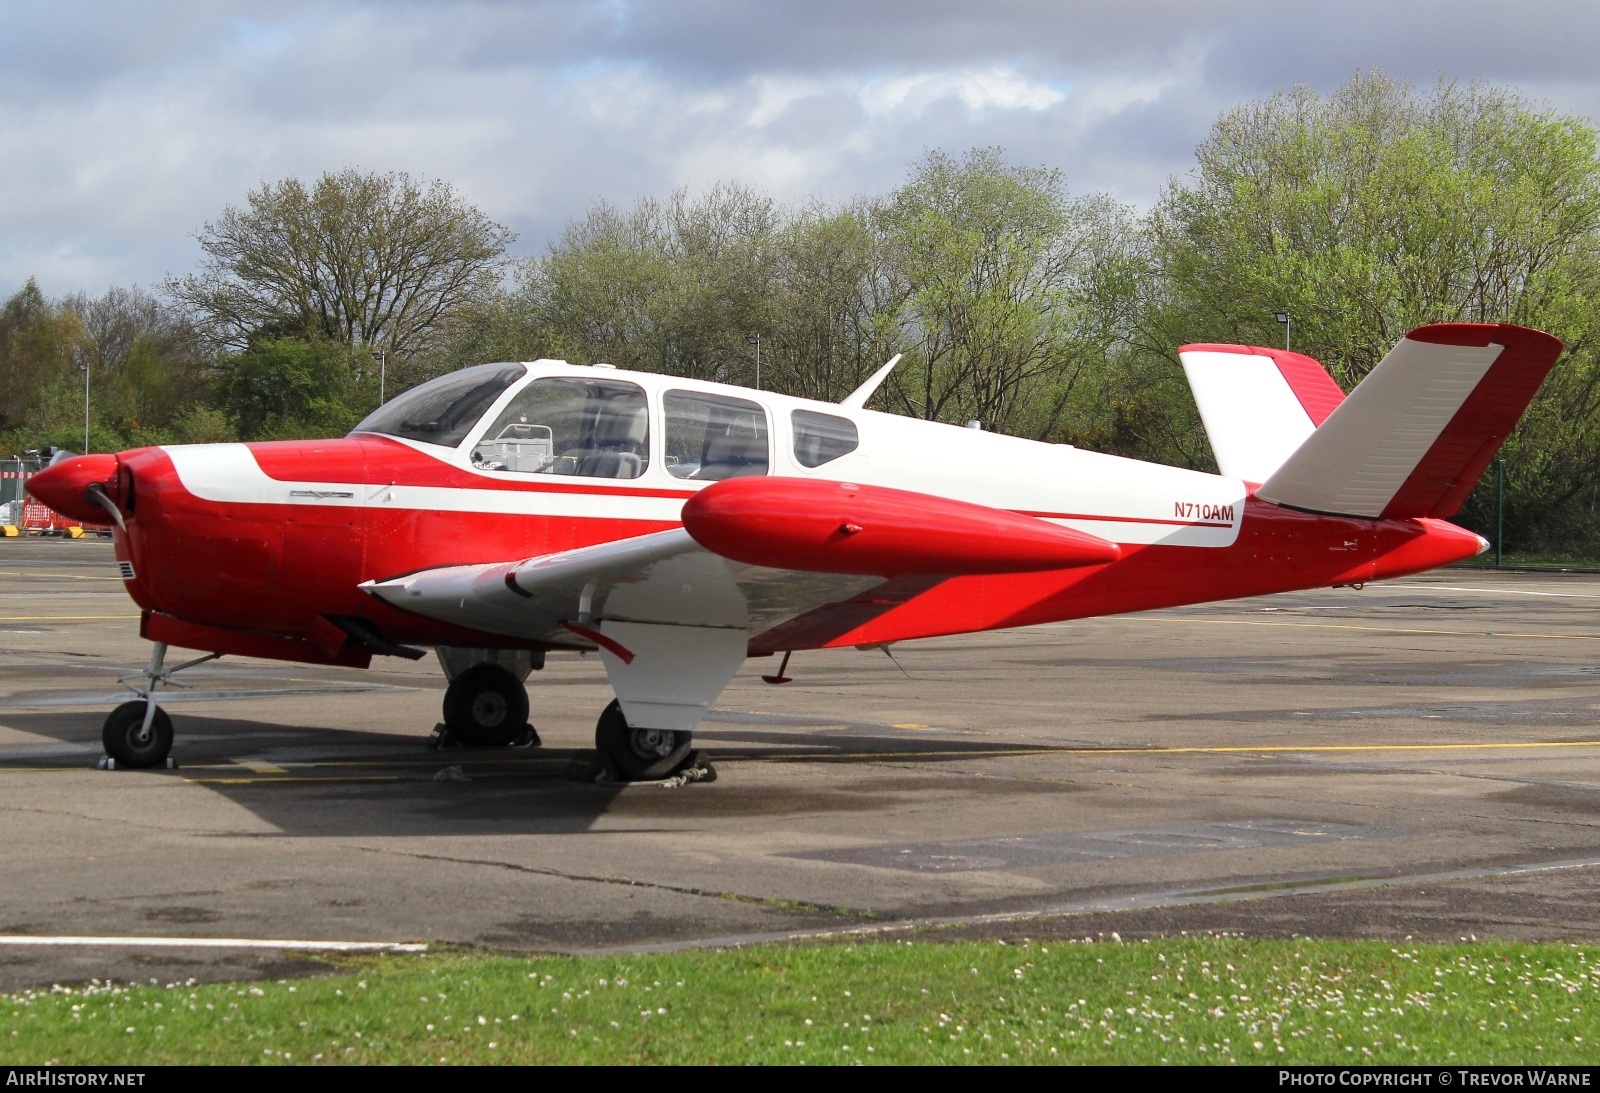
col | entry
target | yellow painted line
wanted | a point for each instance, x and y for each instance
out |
(421, 762)
(1288, 749)
(61, 618)
(277, 780)
(55, 576)
(1242, 749)
(1373, 629)
(48, 770)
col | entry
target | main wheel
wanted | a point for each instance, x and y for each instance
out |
(639, 755)
(486, 706)
(126, 741)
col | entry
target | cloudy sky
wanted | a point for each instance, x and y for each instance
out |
(125, 126)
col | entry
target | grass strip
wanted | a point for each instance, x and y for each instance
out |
(1186, 1000)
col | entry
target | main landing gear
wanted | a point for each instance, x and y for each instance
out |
(138, 734)
(486, 706)
(639, 755)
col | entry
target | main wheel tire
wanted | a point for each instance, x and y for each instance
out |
(639, 755)
(486, 706)
(125, 741)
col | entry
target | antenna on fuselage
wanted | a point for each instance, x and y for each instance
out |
(858, 398)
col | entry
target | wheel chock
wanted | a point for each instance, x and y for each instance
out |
(590, 768)
(696, 768)
(108, 763)
(442, 739)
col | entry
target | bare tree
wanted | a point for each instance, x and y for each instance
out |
(367, 259)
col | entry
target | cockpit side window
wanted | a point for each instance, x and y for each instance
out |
(822, 438)
(594, 428)
(444, 410)
(712, 437)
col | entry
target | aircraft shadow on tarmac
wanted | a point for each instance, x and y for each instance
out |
(316, 782)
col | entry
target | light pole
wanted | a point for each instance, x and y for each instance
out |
(383, 372)
(83, 363)
(755, 340)
(1499, 512)
(1283, 317)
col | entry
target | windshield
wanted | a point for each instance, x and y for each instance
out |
(444, 410)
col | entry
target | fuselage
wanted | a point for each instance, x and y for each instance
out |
(253, 544)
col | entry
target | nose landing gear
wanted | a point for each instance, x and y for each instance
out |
(135, 737)
(138, 734)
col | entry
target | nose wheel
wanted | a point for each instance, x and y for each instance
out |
(639, 755)
(135, 740)
(138, 734)
(486, 706)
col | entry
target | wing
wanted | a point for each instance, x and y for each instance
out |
(665, 578)
(787, 561)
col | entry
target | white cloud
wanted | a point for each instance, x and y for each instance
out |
(123, 131)
(979, 90)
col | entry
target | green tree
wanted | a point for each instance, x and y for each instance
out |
(1376, 209)
(289, 387)
(147, 363)
(1002, 306)
(672, 285)
(833, 305)
(370, 260)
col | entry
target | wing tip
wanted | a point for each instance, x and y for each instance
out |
(1483, 335)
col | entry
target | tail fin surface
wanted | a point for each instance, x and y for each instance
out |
(1258, 405)
(1414, 437)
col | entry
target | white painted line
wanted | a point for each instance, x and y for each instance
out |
(1501, 591)
(215, 943)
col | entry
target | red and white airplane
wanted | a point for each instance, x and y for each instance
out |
(508, 511)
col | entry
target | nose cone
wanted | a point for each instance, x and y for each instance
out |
(61, 486)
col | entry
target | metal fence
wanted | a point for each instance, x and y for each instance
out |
(14, 474)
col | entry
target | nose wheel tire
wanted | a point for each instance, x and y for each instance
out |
(639, 755)
(486, 706)
(127, 742)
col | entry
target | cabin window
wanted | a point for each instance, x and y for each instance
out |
(594, 428)
(712, 437)
(822, 438)
(444, 410)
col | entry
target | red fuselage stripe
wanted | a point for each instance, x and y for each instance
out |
(1122, 519)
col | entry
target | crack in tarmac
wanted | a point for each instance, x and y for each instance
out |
(789, 905)
(1091, 906)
